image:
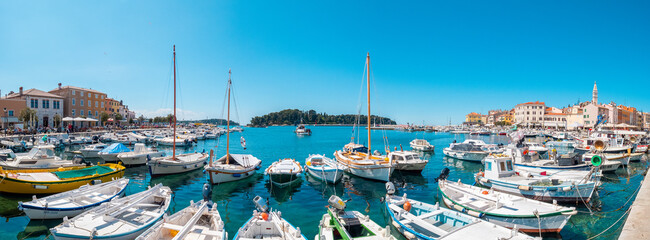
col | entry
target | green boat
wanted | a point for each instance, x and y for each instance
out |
(339, 224)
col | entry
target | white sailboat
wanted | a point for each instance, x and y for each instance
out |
(176, 163)
(232, 167)
(358, 159)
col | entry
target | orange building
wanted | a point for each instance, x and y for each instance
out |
(10, 110)
(81, 102)
(112, 106)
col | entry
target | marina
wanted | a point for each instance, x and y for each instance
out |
(299, 202)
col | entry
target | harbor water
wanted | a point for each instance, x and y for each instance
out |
(303, 203)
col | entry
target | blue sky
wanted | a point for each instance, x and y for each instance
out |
(431, 60)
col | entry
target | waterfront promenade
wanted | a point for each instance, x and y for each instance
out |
(636, 226)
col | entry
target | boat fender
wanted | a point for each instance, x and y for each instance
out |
(459, 208)
(397, 226)
(407, 206)
(475, 213)
(409, 235)
(485, 192)
(236, 175)
(485, 180)
(525, 188)
(566, 189)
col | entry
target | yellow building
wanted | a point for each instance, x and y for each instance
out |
(474, 118)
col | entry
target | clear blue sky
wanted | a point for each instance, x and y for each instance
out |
(431, 60)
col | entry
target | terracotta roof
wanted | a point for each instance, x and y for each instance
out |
(555, 114)
(34, 92)
(532, 103)
(474, 114)
(78, 89)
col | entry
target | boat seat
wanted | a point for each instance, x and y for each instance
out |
(172, 226)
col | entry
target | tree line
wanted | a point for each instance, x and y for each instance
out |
(295, 116)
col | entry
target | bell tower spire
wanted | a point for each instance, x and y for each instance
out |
(594, 99)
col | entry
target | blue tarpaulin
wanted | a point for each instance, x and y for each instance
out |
(115, 148)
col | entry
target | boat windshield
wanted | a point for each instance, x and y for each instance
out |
(40, 153)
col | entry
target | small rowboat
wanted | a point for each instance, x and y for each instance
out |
(284, 172)
(74, 202)
(269, 225)
(530, 216)
(324, 168)
(338, 223)
(49, 181)
(423, 221)
(200, 220)
(121, 218)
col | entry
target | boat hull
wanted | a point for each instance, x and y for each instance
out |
(110, 157)
(164, 168)
(140, 159)
(222, 175)
(467, 156)
(330, 175)
(415, 167)
(575, 194)
(282, 179)
(16, 186)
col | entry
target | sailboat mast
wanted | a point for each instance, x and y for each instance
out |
(174, 148)
(228, 122)
(368, 73)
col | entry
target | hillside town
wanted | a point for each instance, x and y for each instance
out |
(582, 115)
(64, 107)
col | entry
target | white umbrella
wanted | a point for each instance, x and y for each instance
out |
(91, 120)
(67, 119)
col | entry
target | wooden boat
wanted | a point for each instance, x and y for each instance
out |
(176, 163)
(122, 218)
(284, 172)
(338, 223)
(73, 202)
(563, 186)
(200, 220)
(358, 159)
(48, 181)
(324, 168)
(232, 167)
(419, 220)
(530, 216)
(267, 224)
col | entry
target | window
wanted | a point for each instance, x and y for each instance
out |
(96, 105)
(488, 166)
(73, 102)
(90, 113)
(81, 93)
(56, 104)
(46, 104)
(96, 114)
(73, 113)
(509, 164)
(73, 92)
(33, 103)
(81, 103)
(502, 166)
(102, 104)
(81, 113)
(11, 113)
(90, 103)
(96, 95)
(89, 94)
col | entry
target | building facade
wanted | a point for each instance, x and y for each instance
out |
(47, 105)
(81, 102)
(530, 114)
(10, 111)
(473, 118)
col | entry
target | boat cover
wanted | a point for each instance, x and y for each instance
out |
(139, 148)
(467, 147)
(243, 159)
(84, 172)
(115, 148)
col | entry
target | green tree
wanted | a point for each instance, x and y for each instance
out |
(57, 120)
(103, 117)
(118, 117)
(27, 115)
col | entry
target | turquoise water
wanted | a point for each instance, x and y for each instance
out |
(304, 203)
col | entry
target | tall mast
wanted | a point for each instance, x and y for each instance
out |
(174, 148)
(368, 73)
(228, 122)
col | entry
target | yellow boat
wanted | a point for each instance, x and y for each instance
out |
(49, 181)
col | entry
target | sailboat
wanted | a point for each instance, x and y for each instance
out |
(359, 159)
(176, 163)
(232, 167)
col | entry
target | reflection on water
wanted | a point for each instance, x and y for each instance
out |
(303, 203)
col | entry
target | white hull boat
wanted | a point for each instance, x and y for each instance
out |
(338, 223)
(91, 151)
(74, 202)
(421, 145)
(41, 156)
(139, 156)
(407, 161)
(109, 154)
(177, 164)
(200, 220)
(363, 165)
(120, 219)
(284, 172)
(236, 167)
(267, 225)
(324, 168)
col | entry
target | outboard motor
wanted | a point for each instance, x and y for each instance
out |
(207, 192)
(443, 174)
(79, 159)
(390, 188)
(261, 205)
(336, 203)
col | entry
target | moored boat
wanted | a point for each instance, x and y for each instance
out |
(177, 164)
(40, 157)
(139, 155)
(324, 168)
(421, 145)
(48, 181)
(284, 172)
(338, 223)
(407, 161)
(200, 220)
(267, 224)
(74, 202)
(109, 154)
(92, 151)
(122, 218)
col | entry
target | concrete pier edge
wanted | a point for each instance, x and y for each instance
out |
(636, 225)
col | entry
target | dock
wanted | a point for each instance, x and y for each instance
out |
(636, 226)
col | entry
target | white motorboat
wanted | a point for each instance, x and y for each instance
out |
(232, 167)
(122, 218)
(421, 145)
(73, 202)
(301, 130)
(537, 147)
(200, 220)
(407, 161)
(465, 151)
(284, 172)
(267, 224)
(139, 155)
(562, 186)
(174, 141)
(419, 220)
(41, 156)
(92, 151)
(606, 165)
(109, 154)
(177, 163)
(507, 210)
(338, 223)
(324, 168)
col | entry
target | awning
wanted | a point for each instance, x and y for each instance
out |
(67, 119)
